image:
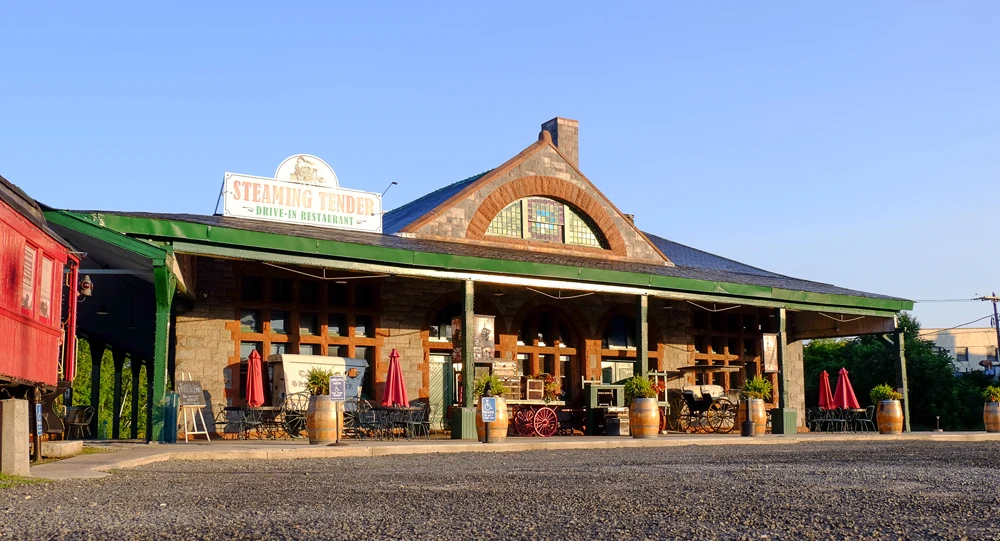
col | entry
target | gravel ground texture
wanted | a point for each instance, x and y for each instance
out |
(840, 490)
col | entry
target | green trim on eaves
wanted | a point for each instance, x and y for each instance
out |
(73, 221)
(161, 229)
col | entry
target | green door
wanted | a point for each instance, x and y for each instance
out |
(441, 375)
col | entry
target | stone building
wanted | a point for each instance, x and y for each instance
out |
(575, 290)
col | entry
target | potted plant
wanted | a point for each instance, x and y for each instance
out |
(889, 413)
(643, 410)
(550, 388)
(755, 391)
(991, 410)
(322, 421)
(498, 428)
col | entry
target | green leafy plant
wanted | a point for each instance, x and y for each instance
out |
(757, 387)
(883, 392)
(495, 384)
(992, 394)
(639, 387)
(318, 380)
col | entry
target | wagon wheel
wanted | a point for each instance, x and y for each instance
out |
(683, 420)
(722, 416)
(546, 422)
(293, 413)
(524, 422)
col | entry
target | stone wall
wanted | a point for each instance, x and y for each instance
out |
(795, 377)
(205, 349)
(551, 169)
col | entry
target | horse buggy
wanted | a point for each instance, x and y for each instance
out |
(702, 408)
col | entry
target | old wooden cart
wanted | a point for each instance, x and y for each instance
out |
(534, 417)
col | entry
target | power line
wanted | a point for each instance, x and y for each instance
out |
(957, 326)
(948, 300)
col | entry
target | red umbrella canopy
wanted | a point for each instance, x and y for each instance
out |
(395, 389)
(255, 383)
(844, 397)
(825, 395)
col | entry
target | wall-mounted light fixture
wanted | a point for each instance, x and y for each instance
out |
(102, 311)
(86, 287)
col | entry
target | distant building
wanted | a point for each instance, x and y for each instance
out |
(971, 349)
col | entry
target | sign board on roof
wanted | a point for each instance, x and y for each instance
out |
(305, 191)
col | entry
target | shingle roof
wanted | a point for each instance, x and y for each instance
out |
(400, 217)
(686, 256)
(690, 263)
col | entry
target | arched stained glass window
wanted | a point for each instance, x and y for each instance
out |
(548, 220)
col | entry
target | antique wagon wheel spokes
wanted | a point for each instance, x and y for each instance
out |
(546, 422)
(724, 413)
(524, 422)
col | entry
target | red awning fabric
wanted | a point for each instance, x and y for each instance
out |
(395, 389)
(255, 383)
(825, 395)
(843, 396)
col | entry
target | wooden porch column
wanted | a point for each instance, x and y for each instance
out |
(901, 383)
(165, 285)
(135, 364)
(642, 330)
(149, 400)
(96, 356)
(118, 355)
(468, 331)
(782, 317)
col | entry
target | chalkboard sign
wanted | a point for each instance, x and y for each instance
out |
(190, 393)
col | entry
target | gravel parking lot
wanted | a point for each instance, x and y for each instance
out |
(843, 490)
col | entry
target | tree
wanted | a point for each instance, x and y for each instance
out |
(934, 390)
(105, 410)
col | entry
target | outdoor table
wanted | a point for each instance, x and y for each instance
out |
(398, 417)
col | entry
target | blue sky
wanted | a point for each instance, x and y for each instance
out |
(856, 146)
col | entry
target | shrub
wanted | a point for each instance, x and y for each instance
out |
(757, 387)
(992, 394)
(318, 380)
(638, 387)
(883, 392)
(495, 384)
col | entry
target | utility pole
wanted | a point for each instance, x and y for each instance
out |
(996, 320)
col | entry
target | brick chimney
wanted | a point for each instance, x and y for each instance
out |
(566, 137)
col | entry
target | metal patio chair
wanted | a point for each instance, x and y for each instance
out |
(79, 422)
(866, 420)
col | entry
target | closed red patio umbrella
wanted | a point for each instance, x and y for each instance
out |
(395, 389)
(825, 395)
(255, 382)
(843, 396)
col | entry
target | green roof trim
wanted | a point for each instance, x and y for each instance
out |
(87, 226)
(163, 229)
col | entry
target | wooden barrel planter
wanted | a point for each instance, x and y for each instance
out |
(991, 416)
(322, 421)
(890, 417)
(757, 414)
(644, 418)
(498, 428)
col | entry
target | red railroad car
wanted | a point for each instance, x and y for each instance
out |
(37, 338)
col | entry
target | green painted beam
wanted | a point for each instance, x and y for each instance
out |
(209, 250)
(160, 229)
(87, 227)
